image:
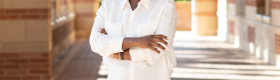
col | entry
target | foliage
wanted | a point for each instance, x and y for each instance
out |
(182, 0)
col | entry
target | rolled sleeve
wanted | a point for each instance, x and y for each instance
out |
(136, 54)
(116, 44)
(104, 45)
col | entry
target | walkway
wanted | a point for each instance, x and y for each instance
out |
(199, 58)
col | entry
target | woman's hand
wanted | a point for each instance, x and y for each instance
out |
(126, 55)
(151, 41)
(102, 31)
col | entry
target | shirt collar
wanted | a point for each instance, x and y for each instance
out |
(145, 3)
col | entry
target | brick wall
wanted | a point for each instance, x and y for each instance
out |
(25, 66)
(260, 6)
(231, 27)
(25, 40)
(24, 13)
(251, 34)
(265, 38)
(63, 34)
(240, 7)
(184, 16)
(275, 11)
(60, 33)
(63, 37)
(277, 43)
(275, 4)
(251, 2)
(251, 9)
(260, 3)
(231, 1)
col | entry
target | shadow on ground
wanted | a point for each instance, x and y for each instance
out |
(196, 61)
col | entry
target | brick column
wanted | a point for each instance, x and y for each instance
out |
(231, 5)
(206, 17)
(184, 16)
(260, 6)
(275, 11)
(240, 7)
(251, 34)
(277, 43)
(231, 27)
(25, 40)
(85, 13)
(251, 9)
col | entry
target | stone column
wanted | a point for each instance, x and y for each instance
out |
(25, 40)
(85, 14)
(184, 16)
(275, 17)
(251, 9)
(206, 20)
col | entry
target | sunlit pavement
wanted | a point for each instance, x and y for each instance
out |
(198, 58)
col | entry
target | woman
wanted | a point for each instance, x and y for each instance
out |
(137, 39)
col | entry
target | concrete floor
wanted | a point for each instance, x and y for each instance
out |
(199, 58)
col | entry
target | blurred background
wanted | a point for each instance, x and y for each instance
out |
(215, 40)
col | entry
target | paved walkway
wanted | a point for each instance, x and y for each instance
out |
(199, 58)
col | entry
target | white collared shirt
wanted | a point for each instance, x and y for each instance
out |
(149, 18)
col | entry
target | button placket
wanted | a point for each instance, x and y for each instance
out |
(130, 28)
(132, 70)
(131, 20)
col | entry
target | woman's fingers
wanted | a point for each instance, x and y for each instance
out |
(160, 36)
(112, 55)
(158, 45)
(102, 31)
(153, 42)
(160, 40)
(154, 49)
(115, 55)
(105, 32)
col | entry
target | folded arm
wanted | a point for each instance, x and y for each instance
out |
(106, 45)
(146, 42)
(167, 27)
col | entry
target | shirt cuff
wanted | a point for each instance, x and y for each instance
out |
(136, 54)
(116, 44)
